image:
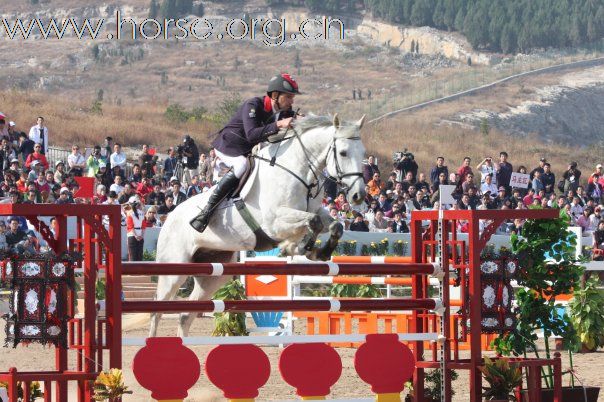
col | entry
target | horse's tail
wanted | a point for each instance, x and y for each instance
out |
(135, 321)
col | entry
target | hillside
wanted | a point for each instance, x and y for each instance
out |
(88, 89)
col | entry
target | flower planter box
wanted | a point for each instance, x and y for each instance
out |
(576, 394)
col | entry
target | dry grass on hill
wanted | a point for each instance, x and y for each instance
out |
(426, 141)
(71, 121)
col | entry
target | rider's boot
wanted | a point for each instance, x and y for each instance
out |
(223, 189)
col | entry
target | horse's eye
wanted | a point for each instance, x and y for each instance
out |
(343, 153)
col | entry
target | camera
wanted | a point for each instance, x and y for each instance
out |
(180, 149)
(401, 155)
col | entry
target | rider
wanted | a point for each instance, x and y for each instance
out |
(255, 120)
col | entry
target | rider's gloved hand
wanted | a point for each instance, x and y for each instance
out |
(285, 123)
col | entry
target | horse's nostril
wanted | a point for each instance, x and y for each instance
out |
(355, 197)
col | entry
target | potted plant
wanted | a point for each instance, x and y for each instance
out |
(502, 378)
(433, 386)
(109, 386)
(35, 392)
(587, 312)
(545, 250)
(230, 324)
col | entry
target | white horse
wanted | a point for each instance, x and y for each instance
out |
(285, 199)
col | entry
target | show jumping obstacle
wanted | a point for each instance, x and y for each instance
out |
(95, 340)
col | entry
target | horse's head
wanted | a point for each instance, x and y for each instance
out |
(345, 159)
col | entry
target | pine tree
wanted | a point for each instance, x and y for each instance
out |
(168, 9)
(95, 52)
(183, 7)
(438, 17)
(153, 9)
(200, 10)
(599, 22)
(507, 44)
(460, 17)
(592, 31)
(313, 5)
(449, 16)
(421, 12)
(577, 33)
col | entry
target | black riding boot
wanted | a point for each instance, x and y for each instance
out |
(224, 188)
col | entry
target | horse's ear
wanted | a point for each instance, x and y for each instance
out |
(361, 121)
(336, 121)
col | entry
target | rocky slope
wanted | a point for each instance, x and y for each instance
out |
(571, 112)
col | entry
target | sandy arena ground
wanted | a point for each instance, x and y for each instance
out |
(590, 368)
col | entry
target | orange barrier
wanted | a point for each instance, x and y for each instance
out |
(346, 323)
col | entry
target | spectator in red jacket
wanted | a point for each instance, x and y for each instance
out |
(464, 170)
(37, 155)
(144, 188)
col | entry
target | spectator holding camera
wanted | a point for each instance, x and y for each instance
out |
(404, 163)
(571, 177)
(358, 225)
(486, 168)
(93, 162)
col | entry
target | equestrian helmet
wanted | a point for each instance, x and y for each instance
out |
(283, 83)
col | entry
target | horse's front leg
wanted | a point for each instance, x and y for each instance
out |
(336, 230)
(299, 229)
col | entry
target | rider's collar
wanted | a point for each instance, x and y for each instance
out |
(268, 104)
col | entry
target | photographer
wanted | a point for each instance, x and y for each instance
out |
(190, 159)
(94, 160)
(404, 162)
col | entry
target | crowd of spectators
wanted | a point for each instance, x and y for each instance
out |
(396, 189)
(152, 188)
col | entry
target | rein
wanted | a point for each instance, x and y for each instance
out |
(319, 178)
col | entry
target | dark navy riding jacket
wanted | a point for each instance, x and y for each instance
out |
(253, 122)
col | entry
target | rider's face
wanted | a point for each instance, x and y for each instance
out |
(285, 101)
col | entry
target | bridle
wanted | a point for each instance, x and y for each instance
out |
(315, 187)
(340, 175)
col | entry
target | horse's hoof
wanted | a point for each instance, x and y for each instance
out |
(336, 229)
(315, 224)
(324, 254)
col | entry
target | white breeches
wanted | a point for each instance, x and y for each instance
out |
(237, 163)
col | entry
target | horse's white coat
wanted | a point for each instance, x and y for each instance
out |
(273, 196)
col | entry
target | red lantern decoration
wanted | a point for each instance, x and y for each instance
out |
(384, 363)
(238, 370)
(166, 367)
(312, 368)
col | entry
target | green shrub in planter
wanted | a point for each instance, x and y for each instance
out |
(587, 314)
(230, 324)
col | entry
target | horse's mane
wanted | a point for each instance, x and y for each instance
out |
(312, 121)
